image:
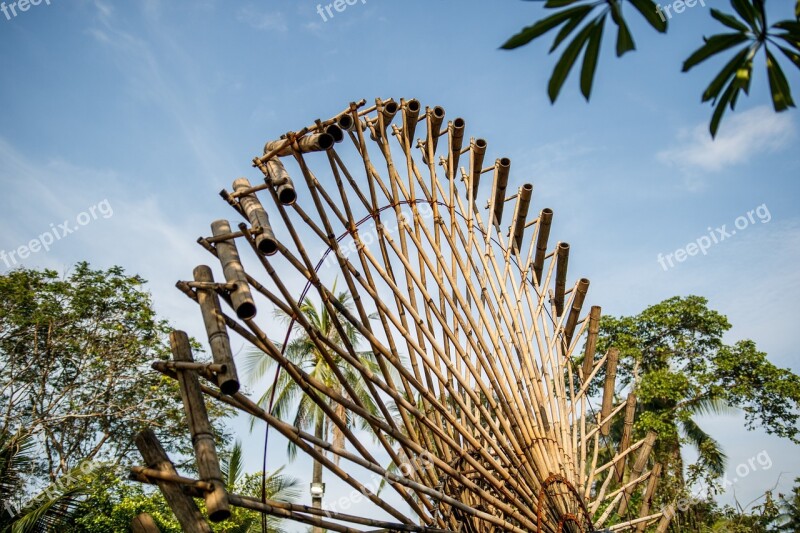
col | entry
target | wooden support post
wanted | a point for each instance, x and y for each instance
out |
(228, 380)
(257, 215)
(242, 299)
(608, 389)
(202, 437)
(520, 215)
(182, 505)
(562, 258)
(144, 523)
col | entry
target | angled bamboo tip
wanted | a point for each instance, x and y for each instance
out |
(438, 112)
(287, 196)
(413, 106)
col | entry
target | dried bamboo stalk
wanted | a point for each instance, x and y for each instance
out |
(183, 506)
(218, 340)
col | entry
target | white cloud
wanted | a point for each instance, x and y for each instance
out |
(740, 138)
(262, 20)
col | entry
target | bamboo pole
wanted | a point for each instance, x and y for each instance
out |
(562, 255)
(202, 436)
(647, 500)
(477, 153)
(499, 189)
(520, 215)
(545, 220)
(258, 218)
(183, 506)
(218, 340)
(317, 142)
(627, 430)
(638, 468)
(575, 311)
(232, 268)
(608, 389)
(591, 341)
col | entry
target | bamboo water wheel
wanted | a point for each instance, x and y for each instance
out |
(476, 393)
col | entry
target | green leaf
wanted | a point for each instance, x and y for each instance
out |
(716, 118)
(781, 93)
(729, 20)
(650, 11)
(543, 26)
(714, 45)
(566, 62)
(624, 39)
(590, 57)
(559, 3)
(727, 72)
(793, 56)
(747, 12)
(568, 28)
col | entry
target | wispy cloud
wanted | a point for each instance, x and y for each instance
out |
(262, 19)
(742, 137)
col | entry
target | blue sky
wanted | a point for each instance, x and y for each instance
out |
(155, 106)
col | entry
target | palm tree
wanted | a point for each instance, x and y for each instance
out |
(277, 487)
(44, 511)
(290, 402)
(789, 518)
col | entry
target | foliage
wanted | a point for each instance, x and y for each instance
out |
(303, 352)
(788, 518)
(49, 508)
(674, 353)
(74, 376)
(748, 22)
(114, 502)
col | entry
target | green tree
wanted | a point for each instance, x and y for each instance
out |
(747, 28)
(114, 502)
(674, 353)
(74, 369)
(290, 402)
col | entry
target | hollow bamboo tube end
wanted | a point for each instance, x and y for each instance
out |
(478, 150)
(345, 121)
(336, 132)
(562, 258)
(545, 221)
(257, 215)
(502, 171)
(574, 314)
(242, 299)
(520, 215)
(411, 111)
